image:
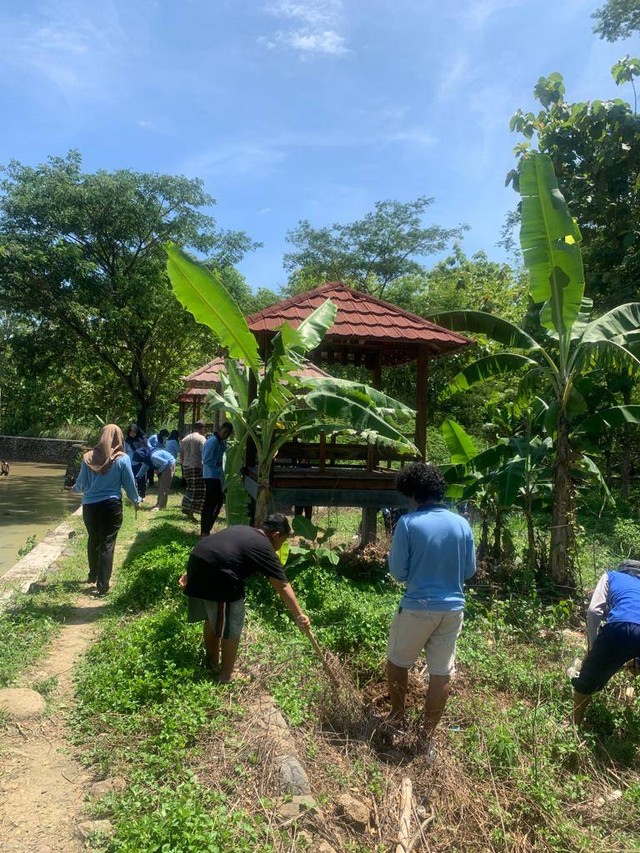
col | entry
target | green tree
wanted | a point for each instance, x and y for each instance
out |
(368, 254)
(595, 150)
(267, 402)
(560, 356)
(83, 254)
(617, 19)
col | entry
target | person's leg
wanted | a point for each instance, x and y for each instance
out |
(410, 631)
(211, 643)
(188, 497)
(229, 655)
(614, 645)
(397, 679)
(581, 702)
(141, 485)
(111, 522)
(218, 498)
(440, 653)
(225, 621)
(164, 485)
(206, 518)
(92, 523)
(436, 698)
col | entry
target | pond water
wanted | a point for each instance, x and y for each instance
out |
(31, 503)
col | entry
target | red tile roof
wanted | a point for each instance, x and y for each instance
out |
(359, 316)
(209, 375)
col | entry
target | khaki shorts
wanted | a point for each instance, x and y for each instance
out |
(435, 631)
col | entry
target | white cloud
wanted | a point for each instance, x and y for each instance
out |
(70, 48)
(235, 160)
(327, 41)
(315, 27)
(475, 14)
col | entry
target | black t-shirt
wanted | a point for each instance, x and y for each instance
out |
(219, 564)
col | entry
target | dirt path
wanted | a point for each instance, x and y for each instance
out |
(42, 787)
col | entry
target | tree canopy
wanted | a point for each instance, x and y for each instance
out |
(368, 254)
(81, 255)
(595, 150)
(617, 19)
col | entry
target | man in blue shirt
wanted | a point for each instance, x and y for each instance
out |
(616, 598)
(433, 553)
(212, 459)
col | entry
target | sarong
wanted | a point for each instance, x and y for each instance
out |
(193, 499)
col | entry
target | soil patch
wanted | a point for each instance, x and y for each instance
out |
(42, 787)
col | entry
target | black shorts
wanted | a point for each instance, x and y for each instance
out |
(615, 644)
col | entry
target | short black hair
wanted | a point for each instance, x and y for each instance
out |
(163, 434)
(277, 522)
(227, 425)
(422, 482)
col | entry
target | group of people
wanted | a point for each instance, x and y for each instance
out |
(202, 468)
(120, 462)
(157, 453)
(432, 553)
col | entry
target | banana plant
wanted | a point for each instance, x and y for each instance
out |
(515, 472)
(284, 405)
(567, 345)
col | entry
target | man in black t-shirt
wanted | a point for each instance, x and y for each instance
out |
(214, 582)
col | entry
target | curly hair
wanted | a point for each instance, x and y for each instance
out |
(422, 482)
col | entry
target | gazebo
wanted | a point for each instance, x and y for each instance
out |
(207, 378)
(367, 332)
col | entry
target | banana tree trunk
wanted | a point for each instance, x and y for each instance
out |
(531, 535)
(560, 568)
(264, 499)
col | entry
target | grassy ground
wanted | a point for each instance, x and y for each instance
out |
(510, 775)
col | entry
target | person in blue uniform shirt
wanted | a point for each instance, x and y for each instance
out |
(616, 602)
(433, 554)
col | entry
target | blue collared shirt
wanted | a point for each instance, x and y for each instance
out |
(212, 457)
(101, 487)
(433, 553)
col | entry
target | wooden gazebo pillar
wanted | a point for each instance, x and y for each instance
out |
(421, 401)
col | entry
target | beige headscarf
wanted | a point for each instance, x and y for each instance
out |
(107, 450)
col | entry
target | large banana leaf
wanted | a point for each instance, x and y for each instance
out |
(550, 240)
(202, 293)
(489, 367)
(614, 417)
(498, 330)
(360, 393)
(314, 327)
(616, 325)
(460, 444)
(603, 354)
(361, 419)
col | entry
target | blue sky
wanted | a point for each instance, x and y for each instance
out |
(292, 109)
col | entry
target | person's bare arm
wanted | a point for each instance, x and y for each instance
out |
(286, 593)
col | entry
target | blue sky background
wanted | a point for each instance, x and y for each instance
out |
(292, 109)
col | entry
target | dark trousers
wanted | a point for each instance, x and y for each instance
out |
(141, 482)
(213, 499)
(102, 520)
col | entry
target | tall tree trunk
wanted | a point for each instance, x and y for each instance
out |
(560, 519)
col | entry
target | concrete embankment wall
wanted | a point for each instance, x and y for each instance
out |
(56, 451)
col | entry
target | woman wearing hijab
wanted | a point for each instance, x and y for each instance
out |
(136, 440)
(105, 471)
